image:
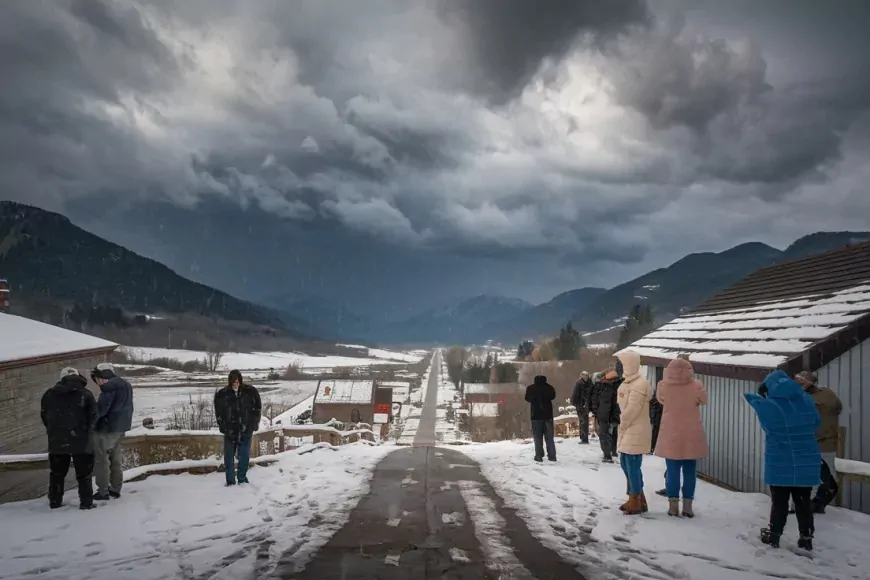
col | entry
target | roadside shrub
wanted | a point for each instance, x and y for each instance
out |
(195, 415)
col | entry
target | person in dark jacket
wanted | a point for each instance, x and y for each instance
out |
(540, 396)
(606, 410)
(69, 411)
(238, 409)
(789, 420)
(829, 407)
(580, 398)
(114, 419)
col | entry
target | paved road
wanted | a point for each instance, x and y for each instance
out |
(416, 523)
(426, 428)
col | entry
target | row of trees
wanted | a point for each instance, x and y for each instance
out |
(464, 368)
(569, 344)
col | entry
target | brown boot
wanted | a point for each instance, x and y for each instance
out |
(628, 493)
(643, 504)
(687, 509)
(673, 507)
(634, 506)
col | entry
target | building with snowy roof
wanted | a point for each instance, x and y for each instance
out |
(348, 401)
(808, 314)
(32, 355)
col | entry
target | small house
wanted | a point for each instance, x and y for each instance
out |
(32, 355)
(479, 393)
(348, 401)
(808, 314)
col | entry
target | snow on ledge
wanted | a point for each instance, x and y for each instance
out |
(852, 467)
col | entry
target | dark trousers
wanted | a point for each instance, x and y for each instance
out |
(607, 434)
(237, 445)
(583, 415)
(58, 465)
(543, 431)
(655, 435)
(779, 496)
(829, 489)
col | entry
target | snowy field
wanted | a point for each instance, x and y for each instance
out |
(572, 507)
(159, 403)
(271, 360)
(191, 526)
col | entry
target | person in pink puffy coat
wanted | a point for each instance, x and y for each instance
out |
(682, 440)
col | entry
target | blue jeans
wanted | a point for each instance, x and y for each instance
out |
(543, 431)
(242, 446)
(689, 470)
(631, 468)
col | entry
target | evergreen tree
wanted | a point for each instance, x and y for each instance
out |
(639, 323)
(525, 350)
(569, 343)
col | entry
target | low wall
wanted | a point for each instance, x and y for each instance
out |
(142, 448)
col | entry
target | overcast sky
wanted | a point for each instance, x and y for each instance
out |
(519, 147)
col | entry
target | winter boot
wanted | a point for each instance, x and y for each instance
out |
(607, 459)
(662, 492)
(769, 538)
(634, 506)
(805, 542)
(644, 506)
(687, 508)
(102, 496)
(624, 506)
(673, 507)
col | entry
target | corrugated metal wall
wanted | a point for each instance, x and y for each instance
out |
(849, 376)
(735, 437)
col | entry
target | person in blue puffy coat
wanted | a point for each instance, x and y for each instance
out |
(789, 420)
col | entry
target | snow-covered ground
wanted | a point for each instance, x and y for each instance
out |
(264, 360)
(408, 357)
(159, 403)
(191, 526)
(572, 507)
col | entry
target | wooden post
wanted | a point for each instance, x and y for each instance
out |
(841, 452)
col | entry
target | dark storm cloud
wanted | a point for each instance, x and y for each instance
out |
(510, 38)
(568, 129)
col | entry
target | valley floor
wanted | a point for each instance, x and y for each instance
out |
(384, 511)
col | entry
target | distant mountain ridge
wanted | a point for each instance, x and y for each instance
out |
(52, 265)
(461, 322)
(670, 290)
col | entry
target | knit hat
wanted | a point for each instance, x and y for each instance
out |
(103, 371)
(68, 372)
(807, 377)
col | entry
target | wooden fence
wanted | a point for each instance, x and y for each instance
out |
(201, 450)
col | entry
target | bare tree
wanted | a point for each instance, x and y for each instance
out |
(195, 415)
(213, 359)
(274, 407)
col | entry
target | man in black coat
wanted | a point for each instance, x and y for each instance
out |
(580, 398)
(604, 406)
(114, 419)
(69, 412)
(237, 409)
(540, 396)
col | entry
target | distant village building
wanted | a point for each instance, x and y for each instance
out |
(809, 314)
(32, 355)
(348, 401)
(477, 393)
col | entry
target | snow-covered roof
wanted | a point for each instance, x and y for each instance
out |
(766, 335)
(23, 339)
(491, 388)
(344, 392)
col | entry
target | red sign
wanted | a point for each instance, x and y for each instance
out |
(383, 408)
